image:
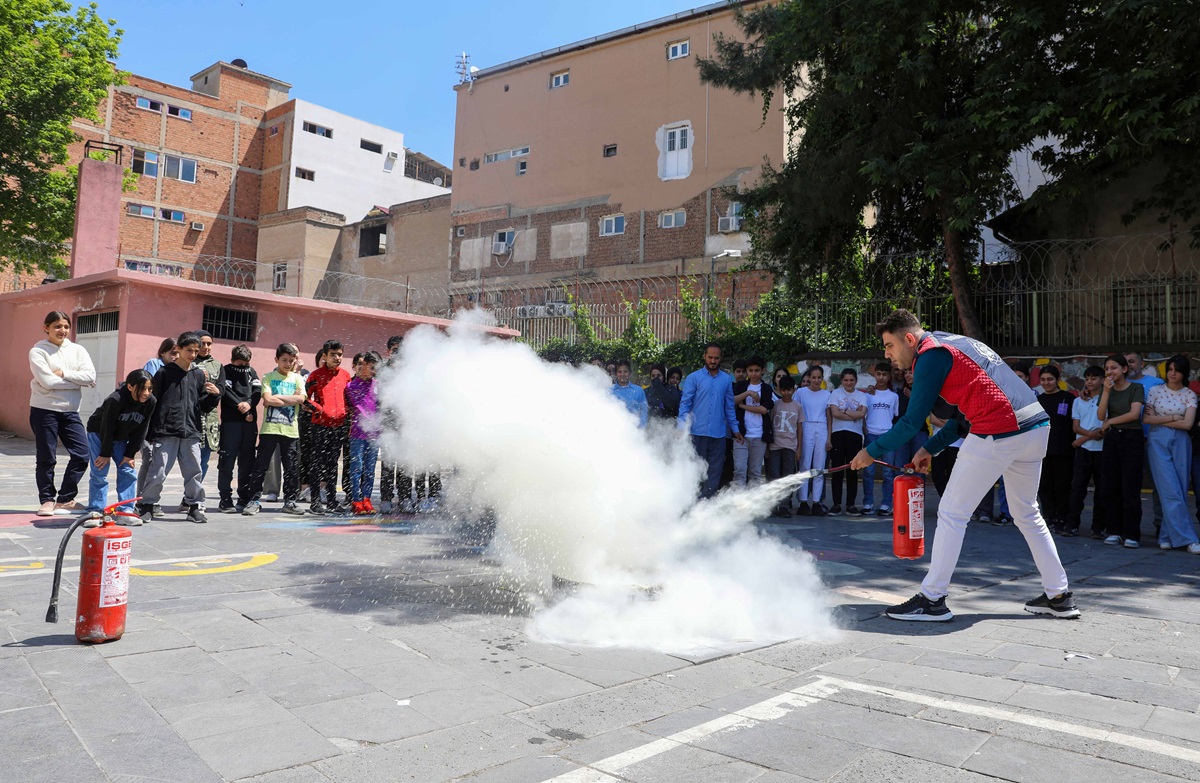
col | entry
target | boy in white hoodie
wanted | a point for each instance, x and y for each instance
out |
(61, 370)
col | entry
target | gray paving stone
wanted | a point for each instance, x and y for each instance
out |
(146, 640)
(20, 686)
(902, 676)
(348, 646)
(875, 765)
(455, 707)
(727, 675)
(941, 744)
(216, 630)
(410, 675)
(258, 749)
(589, 751)
(374, 718)
(302, 774)
(524, 770)
(1112, 687)
(1164, 764)
(1174, 723)
(221, 716)
(801, 656)
(1057, 701)
(535, 684)
(596, 713)
(1027, 763)
(961, 662)
(609, 667)
(687, 764)
(38, 746)
(1100, 665)
(308, 683)
(785, 748)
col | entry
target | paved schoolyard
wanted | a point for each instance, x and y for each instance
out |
(279, 649)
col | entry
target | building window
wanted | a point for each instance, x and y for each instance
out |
(610, 150)
(274, 131)
(183, 114)
(678, 49)
(307, 174)
(320, 130)
(474, 165)
(521, 167)
(94, 323)
(145, 163)
(612, 225)
(140, 210)
(239, 326)
(173, 215)
(673, 219)
(149, 105)
(560, 79)
(732, 222)
(372, 241)
(675, 151)
(506, 237)
(515, 152)
(279, 279)
(371, 146)
(182, 169)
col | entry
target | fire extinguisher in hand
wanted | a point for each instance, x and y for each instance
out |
(103, 577)
(908, 514)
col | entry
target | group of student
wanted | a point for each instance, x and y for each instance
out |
(184, 404)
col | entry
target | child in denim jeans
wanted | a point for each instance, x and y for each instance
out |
(361, 403)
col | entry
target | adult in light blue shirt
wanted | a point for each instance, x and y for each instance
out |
(706, 411)
(633, 396)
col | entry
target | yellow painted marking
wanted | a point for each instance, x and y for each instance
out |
(198, 563)
(34, 566)
(253, 562)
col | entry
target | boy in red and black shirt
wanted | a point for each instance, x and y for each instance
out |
(327, 397)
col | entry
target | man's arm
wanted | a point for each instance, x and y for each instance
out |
(686, 400)
(928, 378)
(731, 414)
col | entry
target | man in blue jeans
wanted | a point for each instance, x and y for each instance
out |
(706, 410)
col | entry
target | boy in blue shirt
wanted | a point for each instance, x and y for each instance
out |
(633, 396)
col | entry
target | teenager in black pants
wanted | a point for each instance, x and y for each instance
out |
(239, 429)
(1120, 409)
(1054, 490)
(848, 410)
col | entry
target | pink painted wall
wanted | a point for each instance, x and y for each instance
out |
(97, 218)
(153, 307)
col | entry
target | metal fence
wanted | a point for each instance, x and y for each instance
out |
(1054, 297)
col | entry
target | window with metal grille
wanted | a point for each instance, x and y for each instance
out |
(1155, 311)
(93, 323)
(224, 324)
(280, 277)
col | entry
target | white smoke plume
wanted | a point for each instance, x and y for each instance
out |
(580, 493)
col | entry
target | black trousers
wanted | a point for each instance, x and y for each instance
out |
(49, 427)
(324, 457)
(941, 468)
(1054, 489)
(237, 446)
(780, 463)
(287, 447)
(1087, 467)
(1121, 469)
(845, 446)
(389, 473)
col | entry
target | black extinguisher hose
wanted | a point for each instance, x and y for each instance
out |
(52, 611)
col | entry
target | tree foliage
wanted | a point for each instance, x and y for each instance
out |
(904, 116)
(56, 68)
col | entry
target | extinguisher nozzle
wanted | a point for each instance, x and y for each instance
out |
(52, 614)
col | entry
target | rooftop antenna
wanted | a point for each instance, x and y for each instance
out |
(466, 71)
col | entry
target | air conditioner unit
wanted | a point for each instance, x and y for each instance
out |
(393, 155)
(460, 232)
(500, 248)
(727, 225)
(531, 311)
(555, 295)
(559, 310)
(197, 226)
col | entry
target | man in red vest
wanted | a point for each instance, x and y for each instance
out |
(1009, 431)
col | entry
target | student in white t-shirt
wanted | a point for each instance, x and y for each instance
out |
(1089, 450)
(882, 412)
(847, 410)
(814, 440)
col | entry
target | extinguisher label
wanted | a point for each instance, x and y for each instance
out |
(916, 512)
(114, 583)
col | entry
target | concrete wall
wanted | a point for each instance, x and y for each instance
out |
(307, 239)
(418, 242)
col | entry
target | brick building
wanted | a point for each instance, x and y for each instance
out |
(606, 159)
(214, 158)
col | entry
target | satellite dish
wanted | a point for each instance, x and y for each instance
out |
(437, 181)
(239, 62)
(474, 69)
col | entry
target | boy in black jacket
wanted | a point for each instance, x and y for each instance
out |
(184, 396)
(115, 432)
(753, 400)
(239, 429)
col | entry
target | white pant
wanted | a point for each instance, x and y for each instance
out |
(980, 462)
(812, 455)
(748, 460)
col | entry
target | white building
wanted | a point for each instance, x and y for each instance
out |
(345, 165)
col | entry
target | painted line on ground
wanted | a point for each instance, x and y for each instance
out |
(609, 769)
(606, 770)
(135, 563)
(877, 596)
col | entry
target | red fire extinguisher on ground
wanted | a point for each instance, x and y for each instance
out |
(103, 577)
(908, 515)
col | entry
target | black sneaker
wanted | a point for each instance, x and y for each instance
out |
(196, 514)
(335, 507)
(835, 509)
(853, 511)
(884, 511)
(157, 511)
(290, 507)
(783, 512)
(819, 510)
(252, 508)
(1002, 519)
(803, 510)
(1098, 535)
(1063, 606)
(227, 507)
(921, 609)
(317, 508)
(1069, 532)
(146, 513)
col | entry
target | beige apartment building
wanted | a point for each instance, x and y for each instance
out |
(606, 159)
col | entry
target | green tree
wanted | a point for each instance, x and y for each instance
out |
(56, 68)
